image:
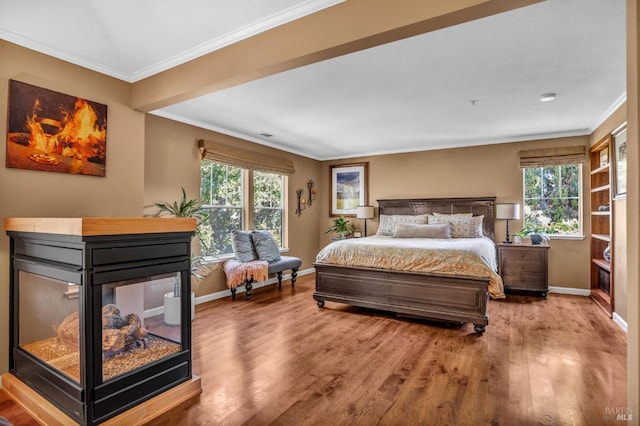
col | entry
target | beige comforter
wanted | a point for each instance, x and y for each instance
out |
(474, 257)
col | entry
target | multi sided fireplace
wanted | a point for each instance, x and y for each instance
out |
(84, 332)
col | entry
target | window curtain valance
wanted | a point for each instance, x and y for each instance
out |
(553, 156)
(244, 158)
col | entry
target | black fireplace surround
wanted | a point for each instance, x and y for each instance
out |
(93, 266)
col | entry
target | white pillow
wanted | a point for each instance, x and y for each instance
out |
(419, 230)
(454, 214)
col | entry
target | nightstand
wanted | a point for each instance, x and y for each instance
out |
(524, 267)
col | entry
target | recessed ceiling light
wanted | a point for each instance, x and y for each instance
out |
(266, 135)
(547, 97)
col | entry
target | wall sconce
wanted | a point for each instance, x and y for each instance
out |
(364, 212)
(302, 202)
(508, 211)
(313, 192)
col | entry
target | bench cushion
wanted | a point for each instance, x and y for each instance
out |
(285, 262)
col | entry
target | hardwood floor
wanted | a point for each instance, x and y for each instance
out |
(279, 359)
(12, 413)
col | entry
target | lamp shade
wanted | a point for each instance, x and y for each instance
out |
(364, 212)
(508, 211)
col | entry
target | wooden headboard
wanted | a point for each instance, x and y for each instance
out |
(478, 206)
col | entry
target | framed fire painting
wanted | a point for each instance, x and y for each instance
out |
(54, 132)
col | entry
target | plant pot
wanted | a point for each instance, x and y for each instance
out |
(536, 239)
(172, 308)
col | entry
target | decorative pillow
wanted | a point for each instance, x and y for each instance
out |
(461, 226)
(243, 246)
(385, 225)
(388, 222)
(265, 246)
(416, 230)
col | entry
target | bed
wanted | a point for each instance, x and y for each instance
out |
(437, 294)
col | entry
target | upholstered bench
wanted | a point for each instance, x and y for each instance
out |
(284, 263)
(247, 273)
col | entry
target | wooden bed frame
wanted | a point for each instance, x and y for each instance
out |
(446, 298)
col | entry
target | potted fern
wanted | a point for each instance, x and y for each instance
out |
(341, 226)
(182, 208)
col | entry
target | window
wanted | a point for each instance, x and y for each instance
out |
(552, 199)
(226, 192)
(221, 193)
(268, 203)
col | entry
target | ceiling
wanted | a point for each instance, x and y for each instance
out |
(471, 84)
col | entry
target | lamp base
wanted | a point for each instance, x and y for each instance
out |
(507, 240)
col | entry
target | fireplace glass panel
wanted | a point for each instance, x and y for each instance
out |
(49, 327)
(135, 329)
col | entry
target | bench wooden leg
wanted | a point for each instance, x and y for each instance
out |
(233, 293)
(294, 274)
(279, 279)
(248, 286)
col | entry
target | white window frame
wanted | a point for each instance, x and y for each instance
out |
(580, 234)
(281, 202)
(247, 208)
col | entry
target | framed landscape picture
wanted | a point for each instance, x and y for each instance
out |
(349, 188)
(53, 132)
(620, 162)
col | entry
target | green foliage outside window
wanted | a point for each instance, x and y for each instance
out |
(268, 204)
(221, 193)
(221, 197)
(552, 199)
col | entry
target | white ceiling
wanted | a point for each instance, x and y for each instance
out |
(414, 94)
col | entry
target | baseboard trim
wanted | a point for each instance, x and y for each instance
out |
(226, 293)
(621, 323)
(569, 290)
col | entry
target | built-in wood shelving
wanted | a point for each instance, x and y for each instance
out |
(601, 223)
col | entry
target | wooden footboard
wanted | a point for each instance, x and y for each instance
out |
(436, 297)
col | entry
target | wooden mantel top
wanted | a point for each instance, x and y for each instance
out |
(91, 226)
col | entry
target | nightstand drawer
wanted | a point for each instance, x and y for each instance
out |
(528, 254)
(524, 267)
(524, 281)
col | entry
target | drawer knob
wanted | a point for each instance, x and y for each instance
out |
(521, 266)
(521, 254)
(521, 279)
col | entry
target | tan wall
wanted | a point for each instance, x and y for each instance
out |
(619, 247)
(173, 161)
(620, 267)
(35, 193)
(490, 170)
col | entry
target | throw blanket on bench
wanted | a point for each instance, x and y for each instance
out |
(239, 272)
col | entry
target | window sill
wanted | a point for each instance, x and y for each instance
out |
(216, 259)
(567, 237)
